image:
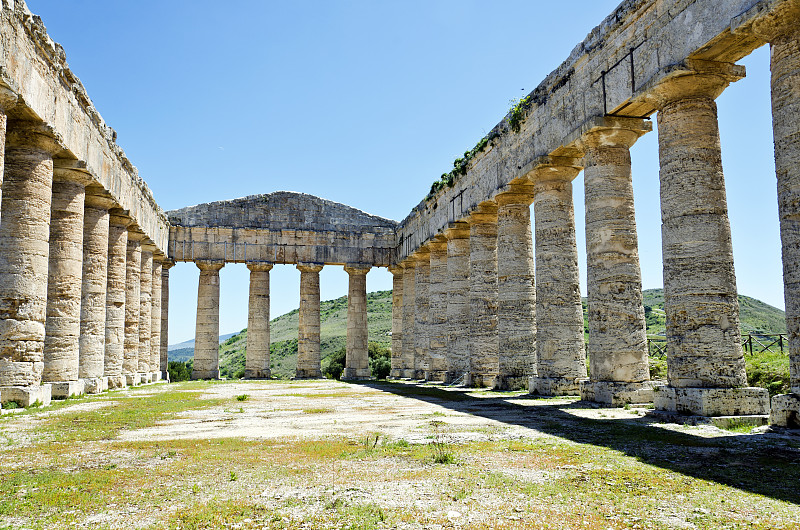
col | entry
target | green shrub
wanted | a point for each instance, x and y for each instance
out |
(180, 371)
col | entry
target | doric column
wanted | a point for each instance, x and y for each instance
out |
(308, 354)
(145, 309)
(781, 28)
(422, 274)
(257, 361)
(206, 336)
(65, 278)
(483, 339)
(133, 286)
(458, 321)
(397, 320)
(155, 320)
(618, 362)
(116, 294)
(409, 310)
(7, 100)
(93, 294)
(560, 353)
(437, 310)
(705, 361)
(357, 358)
(516, 290)
(166, 265)
(24, 251)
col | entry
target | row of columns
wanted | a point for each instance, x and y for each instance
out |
(67, 323)
(502, 327)
(257, 361)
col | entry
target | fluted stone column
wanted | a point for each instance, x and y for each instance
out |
(357, 356)
(422, 273)
(458, 316)
(437, 310)
(116, 294)
(145, 310)
(133, 286)
(705, 361)
(155, 320)
(560, 353)
(206, 336)
(166, 265)
(308, 347)
(65, 278)
(409, 310)
(7, 100)
(483, 338)
(257, 361)
(397, 321)
(24, 251)
(781, 28)
(93, 298)
(618, 361)
(516, 290)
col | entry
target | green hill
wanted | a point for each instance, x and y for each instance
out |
(768, 370)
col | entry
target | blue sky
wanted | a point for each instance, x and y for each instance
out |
(365, 103)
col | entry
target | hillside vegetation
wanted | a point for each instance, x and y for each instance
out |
(764, 369)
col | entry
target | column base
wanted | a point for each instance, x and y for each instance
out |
(165, 377)
(133, 379)
(355, 374)
(555, 386)
(308, 374)
(95, 385)
(205, 374)
(745, 401)
(116, 381)
(785, 411)
(396, 373)
(617, 393)
(67, 389)
(258, 374)
(25, 396)
(419, 374)
(483, 380)
(407, 373)
(155, 376)
(511, 382)
(145, 377)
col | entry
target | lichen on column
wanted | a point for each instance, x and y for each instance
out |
(483, 338)
(308, 346)
(206, 338)
(357, 354)
(116, 293)
(166, 265)
(409, 310)
(422, 352)
(145, 307)
(133, 286)
(155, 319)
(257, 361)
(437, 310)
(397, 321)
(458, 316)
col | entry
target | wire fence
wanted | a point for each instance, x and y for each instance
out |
(752, 343)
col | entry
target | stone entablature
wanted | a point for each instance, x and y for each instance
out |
(281, 227)
(35, 71)
(612, 72)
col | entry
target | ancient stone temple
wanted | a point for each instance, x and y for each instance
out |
(85, 251)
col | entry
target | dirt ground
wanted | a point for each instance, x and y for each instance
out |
(327, 454)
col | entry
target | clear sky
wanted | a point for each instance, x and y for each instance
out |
(364, 103)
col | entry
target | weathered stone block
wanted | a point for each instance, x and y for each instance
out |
(785, 411)
(115, 382)
(133, 379)
(65, 389)
(741, 401)
(25, 396)
(555, 386)
(617, 392)
(95, 385)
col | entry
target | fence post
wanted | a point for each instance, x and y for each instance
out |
(780, 341)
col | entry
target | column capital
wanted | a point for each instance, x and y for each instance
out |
(695, 79)
(457, 230)
(148, 246)
(135, 235)
(8, 99)
(486, 212)
(33, 135)
(166, 265)
(515, 194)
(614, 132)
(70, 170)
(309, 267)
(396, 270)
(438, 243)
(259, 266)
(769, 20)
(96, 198)
(408, 263)
(209, 265)
(355, 269)
(119, 217)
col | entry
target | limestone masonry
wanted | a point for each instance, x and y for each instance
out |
(85, 251)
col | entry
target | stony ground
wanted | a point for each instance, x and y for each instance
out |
(325, 454)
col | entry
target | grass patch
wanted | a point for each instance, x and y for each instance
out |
(318, 410)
